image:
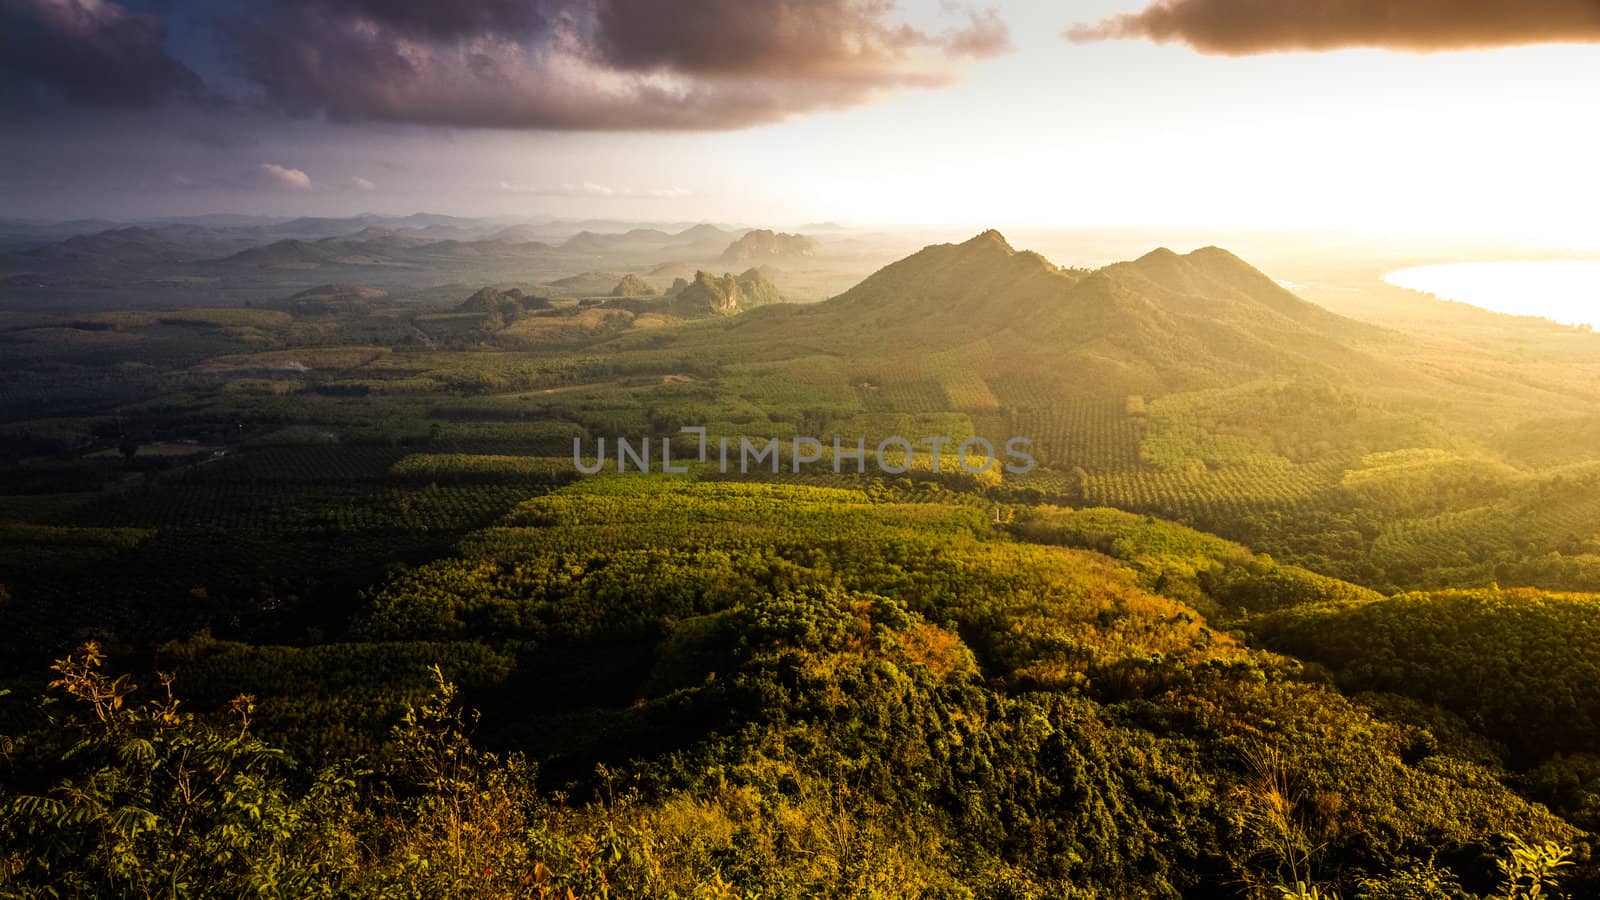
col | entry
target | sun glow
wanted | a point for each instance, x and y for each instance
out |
(1567, 291)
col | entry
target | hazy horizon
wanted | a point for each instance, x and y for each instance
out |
(1187, 112)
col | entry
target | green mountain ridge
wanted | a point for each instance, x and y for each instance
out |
(1158, 324)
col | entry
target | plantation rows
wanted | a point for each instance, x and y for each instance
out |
(968, 391)
(40, 507)
(1193, 495)
(333, 507)
(1474, 535)
(300, 464)
(452, 468)
(960, 372)
(915, 396)
(1096, 435)
(81, 393)
(24, 547)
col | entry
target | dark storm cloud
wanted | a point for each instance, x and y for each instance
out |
(1241, 27)
(822, 39)
(594, 64)
(550, 64)
(89, 52)
(437, 18)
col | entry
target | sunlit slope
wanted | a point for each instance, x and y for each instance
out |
(1031, 330)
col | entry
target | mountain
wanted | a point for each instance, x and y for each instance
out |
(762, 245)
(695, 234)
(374, 246)
(312, 227)
(633, 286)
(140, 245)
(1029, 328)
(709, 295)
(638, 240)
(516, 234)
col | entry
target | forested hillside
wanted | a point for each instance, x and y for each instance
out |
(768, 690)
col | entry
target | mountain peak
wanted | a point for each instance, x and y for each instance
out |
(1161, 323)
(992, 237)
(762, 244)
(1159, 254)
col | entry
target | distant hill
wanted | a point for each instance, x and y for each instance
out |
(588, 284)
(382, 246)
(633, 286)
(674, 270)
(704, 232)
(762, 245)
(637, 240)
(709, 295)
(284, 254)
(517, 234)
(139, 245)
(510, 302)
(332, 299)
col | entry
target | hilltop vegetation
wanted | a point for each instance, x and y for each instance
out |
(1010, 718)
(710, 295)
(632, 286)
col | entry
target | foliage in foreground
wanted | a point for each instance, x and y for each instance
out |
(717, 701)
(153, 801)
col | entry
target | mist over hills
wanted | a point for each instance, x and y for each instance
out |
(234, 259)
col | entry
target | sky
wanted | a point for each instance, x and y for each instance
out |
(1419, 117)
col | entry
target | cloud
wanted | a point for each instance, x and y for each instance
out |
(593, 64)
(1241, 27)
(361, 184)
(91, 53)
(591, 189)
(985, 36)
(283, 176)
